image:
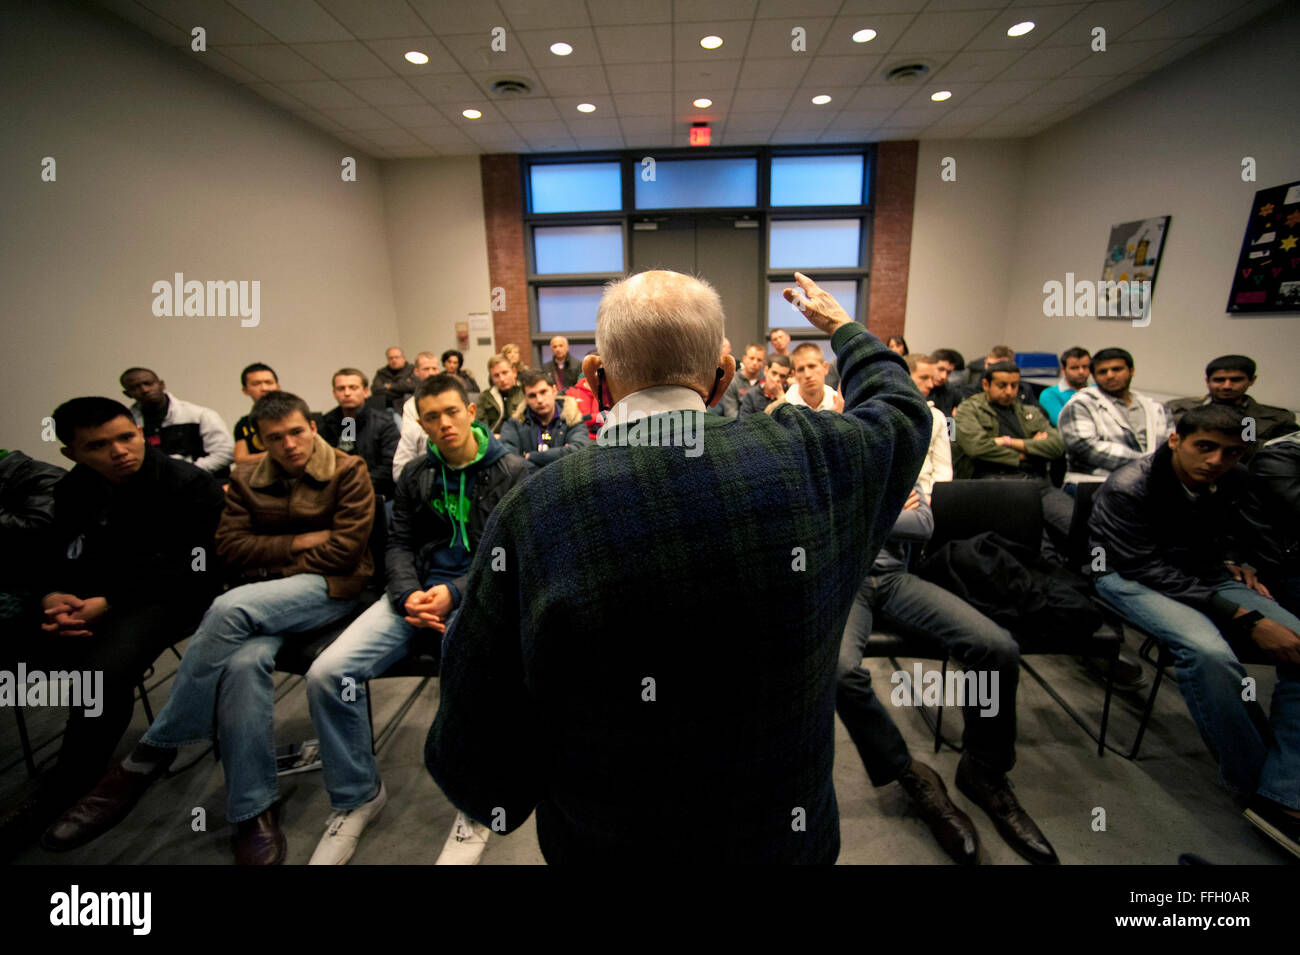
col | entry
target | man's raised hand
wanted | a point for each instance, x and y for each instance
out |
(816, 304)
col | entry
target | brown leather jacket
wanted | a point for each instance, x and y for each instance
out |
(263, 514)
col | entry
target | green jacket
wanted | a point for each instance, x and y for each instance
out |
(977, 426)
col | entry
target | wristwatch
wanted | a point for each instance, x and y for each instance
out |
(1246, 622)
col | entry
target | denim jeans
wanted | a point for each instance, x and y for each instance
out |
(1253, 756)
(226, 673)
(915, 607)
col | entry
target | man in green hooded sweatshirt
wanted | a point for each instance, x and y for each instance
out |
(442, 502)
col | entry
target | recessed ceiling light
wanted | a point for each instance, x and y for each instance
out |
(941, 95)
(864, 36)
(821, 100)
(470, 113)
(703, 103)
(586, 108)
(711, 42)
(1020, 29)
(561, 49)
(418, 58)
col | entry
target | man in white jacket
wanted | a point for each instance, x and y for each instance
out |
(938, 459)
(179, 429)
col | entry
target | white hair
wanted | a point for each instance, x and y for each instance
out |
(659, 328)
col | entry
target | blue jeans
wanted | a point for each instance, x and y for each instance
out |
(226, 674)
(916, 607)
(1253, 756)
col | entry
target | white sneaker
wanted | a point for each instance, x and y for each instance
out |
(465, 844)
(343, 831)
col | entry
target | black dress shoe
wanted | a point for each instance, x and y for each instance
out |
(259, 841)
(951, 827)
(112, 799)
(992, 793)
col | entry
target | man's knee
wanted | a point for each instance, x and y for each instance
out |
(251, 659)
(227, 613)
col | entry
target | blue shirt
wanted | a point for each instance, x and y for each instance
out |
(1053, 399)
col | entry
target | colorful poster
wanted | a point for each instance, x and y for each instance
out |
(1268, 269)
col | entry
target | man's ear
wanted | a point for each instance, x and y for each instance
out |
(590, 365)
(312, 422)
(728, 365)
(472, 410)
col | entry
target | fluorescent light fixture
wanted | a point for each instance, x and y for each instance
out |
(470, 113)
(941, 95)
(1020, 29)
(418, 58)
(711, 42)
(864, 36)
(821, 100)
(586, 108)
(703, 103)
(561, 49)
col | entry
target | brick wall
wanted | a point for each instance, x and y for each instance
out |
(503, 212)
(891, 237)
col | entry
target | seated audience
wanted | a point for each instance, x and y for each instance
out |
(443, 502)
(395, 381)
(1075, 366)
(1227, 379)
(547, 426)
(562, 369)
(453, 363)
(592, 416)
(26, 513)
(178, 428)
(897, 344)
(256, 380)
(938, 460)
(779, 339)
(499, 402)
(307, 562)
(776, 379)
(949, 379)
(1106, 425)
(1169, 531)
(810, 389)
(748, 375)
(896, 600)
(410, 442)
(355, 428)
(131, 569)
(1271, 514)
(1001, 436)
(998, 353)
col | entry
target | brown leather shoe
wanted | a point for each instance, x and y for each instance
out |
(992, 793)
(111, 801)
(951, 827)
(259, 841)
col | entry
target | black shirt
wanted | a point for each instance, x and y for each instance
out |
(244, 431)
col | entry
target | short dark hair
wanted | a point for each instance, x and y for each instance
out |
(460, 358)
(365, 382)
(775, 359)
(1075, 352)
(529, 377)
(276, 406)
(86, 413)
(256, 366)
(804, 346)
(1209, 417)
(951, 356)
(1112, 354)
(439, 384)
(121, 379)
(1007, 367)
(900, 339)
(1231, 363)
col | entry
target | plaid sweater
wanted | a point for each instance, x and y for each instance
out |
(595, 674)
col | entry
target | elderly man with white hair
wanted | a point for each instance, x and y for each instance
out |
(593, 672)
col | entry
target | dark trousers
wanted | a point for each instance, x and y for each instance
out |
(123, 646)
(914, 607)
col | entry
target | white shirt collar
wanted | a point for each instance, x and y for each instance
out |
(828, 398)
(651, 401)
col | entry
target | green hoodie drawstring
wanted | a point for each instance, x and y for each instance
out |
(456, 515)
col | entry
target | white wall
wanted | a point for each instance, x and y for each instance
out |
(963, 244)
(165, 166)
(437, 242)
(1170, 145)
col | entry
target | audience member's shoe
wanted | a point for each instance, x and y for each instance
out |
(951, 827)
(465, 844)
(22, 825)
(992, 793)
(1129, 677)
(111, 801)
(1275, 822)
(343, 831)
(259, 841)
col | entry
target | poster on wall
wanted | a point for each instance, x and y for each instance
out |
(1268, 268)
(1132, 256)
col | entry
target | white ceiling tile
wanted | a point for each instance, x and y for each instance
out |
(640, 77)
(344, 61)
(774, 38)
(537, 46)
(544, 14)
(844, 136)
(279, 97)
(393, 53)
(842, 70)
(227, 67)
(223, 24)
(687, 36)
(772, 74)
(1004, 92)
(793, 137)
(977, 65)
(375, 19)
(448, 88)
(888, 26)
(439, 136)
(1182, 19)
(644, 104)
(393, 91)
(457, 16)
(527, 109)
(1021, 113)
(574, 80)
(475, 52)
(1067, 90)
(650, 43)
(586, 127)
(549, 130)
(759, 100)
(391, 137)
(695, 11)
(751, 121)
(998, 132)
(298, 22)
(861, 7)
(274, 63)
(617, 12)
(640, 127)
(770, 9)
(1120, 58)
(859, 119)
(880, 97)
(1047, 20)
(801, 120)
(895, 133)
(967, 115)
(707, 78)
(360, 119)
(916, 116)
(946, 31)
(961, 93)
(323, 94)
(602, 142)
(415, 115)
(1117, 17)
(1046, 63)
(492, 132)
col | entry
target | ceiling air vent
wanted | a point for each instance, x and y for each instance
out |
(907, 73)
(510, 86)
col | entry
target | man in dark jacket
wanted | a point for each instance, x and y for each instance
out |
(443, 503)
(1227, 380)
(499, 402)
(1271, 512)
(396, 380)
(593, 670)
(563, 370)
(1163, 527)
(297, 525)
(132, 570)
(356, 428)
(547, 426)
(26, 514)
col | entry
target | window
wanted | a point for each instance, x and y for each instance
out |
(814, 243)
(575, 187)
(577, 249)
(781, 314)
(818, 180)
(699, 183)
(567, 308)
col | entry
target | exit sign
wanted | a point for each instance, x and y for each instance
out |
(700, 134)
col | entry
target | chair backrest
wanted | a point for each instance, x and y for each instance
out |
(1077, 552)
(965, 508)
